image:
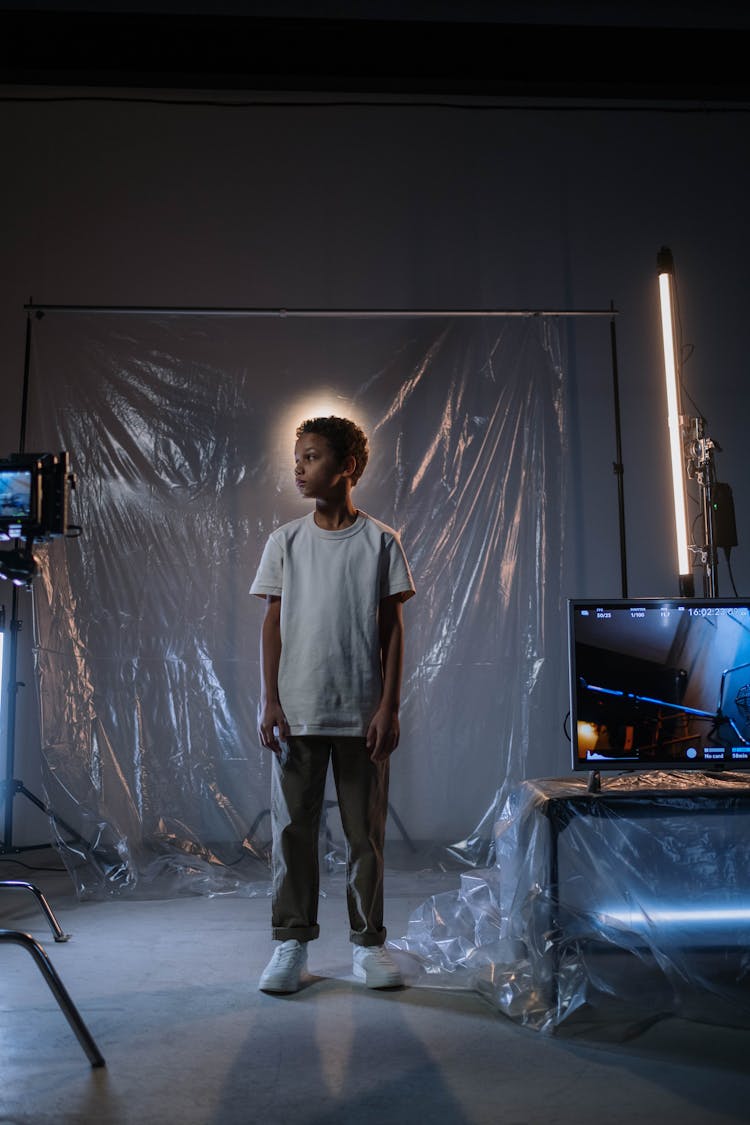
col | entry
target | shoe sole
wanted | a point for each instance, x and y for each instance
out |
(360, 974)
(282, 987)
(283, 990)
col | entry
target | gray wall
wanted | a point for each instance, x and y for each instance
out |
(392, 206)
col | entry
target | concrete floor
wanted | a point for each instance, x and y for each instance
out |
(168, 991)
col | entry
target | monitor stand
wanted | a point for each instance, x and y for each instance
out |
(595, 782)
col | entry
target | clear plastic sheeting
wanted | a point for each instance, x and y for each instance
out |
(623, 906)
(180, 431)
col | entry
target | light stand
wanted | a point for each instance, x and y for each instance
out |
(618, 465)
(699, 465)
(692, 457)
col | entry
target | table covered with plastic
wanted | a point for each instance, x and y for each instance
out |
(622, 906)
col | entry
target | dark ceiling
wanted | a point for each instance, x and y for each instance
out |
(371, 56)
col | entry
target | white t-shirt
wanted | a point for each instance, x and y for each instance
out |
(331, 584)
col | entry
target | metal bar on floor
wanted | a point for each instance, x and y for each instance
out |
(55, 926)
(59, 991)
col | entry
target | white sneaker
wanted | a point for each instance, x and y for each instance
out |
(283, 971)
(374, 965)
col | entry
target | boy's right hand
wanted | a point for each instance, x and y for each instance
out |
(273, 727)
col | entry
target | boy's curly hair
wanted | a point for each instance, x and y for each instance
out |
(345, 438)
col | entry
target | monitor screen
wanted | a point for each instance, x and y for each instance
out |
(16, 496)
(659, 684)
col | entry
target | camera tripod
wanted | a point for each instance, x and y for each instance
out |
(12, 787)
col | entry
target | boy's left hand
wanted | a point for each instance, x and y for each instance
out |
(382, 734)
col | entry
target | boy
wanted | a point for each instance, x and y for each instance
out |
(331, 659)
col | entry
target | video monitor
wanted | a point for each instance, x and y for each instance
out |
(659, 684)
(16, 497)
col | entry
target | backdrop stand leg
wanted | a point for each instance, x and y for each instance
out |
(400, 825)
(14, 788)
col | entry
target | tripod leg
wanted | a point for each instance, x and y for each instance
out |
(53, 923)
(24, 792)
(58, 990)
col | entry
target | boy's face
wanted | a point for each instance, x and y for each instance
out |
(317, 472)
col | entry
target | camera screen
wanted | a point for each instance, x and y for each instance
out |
(15, 494)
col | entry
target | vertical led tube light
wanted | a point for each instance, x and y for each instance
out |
(674, 412)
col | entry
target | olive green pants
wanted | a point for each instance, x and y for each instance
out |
(297, 795)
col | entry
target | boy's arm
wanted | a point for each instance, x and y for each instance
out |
(271, 715)
(383, 732)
